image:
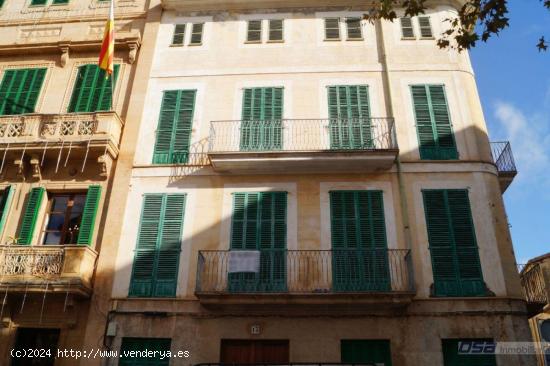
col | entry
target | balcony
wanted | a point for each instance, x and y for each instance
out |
(196, 5)
(504, 160)
(302, 145)
(66, 269)
(89, 135)
(311, 277)
(534, 287)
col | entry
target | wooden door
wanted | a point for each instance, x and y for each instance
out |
(245, 351)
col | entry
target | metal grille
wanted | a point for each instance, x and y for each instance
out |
(503, 157)
(367, 134)
(310, 271)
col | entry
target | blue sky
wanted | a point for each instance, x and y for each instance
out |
(514, 85)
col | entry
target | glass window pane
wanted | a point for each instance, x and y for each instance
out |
(60, 202)
(55, 222)
(52, 238)
(79, 201)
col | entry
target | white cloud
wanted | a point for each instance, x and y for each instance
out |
(529, 135)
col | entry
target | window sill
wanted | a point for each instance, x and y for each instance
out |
(355, 39)
(427, 38)
(276, 41)
(176, 45)
(408, 38)
(194, 44)
(332, 39)
(252, 42)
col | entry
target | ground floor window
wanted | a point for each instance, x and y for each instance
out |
(366, 351)
(138, 345)
(36, 339)
(245, 351)
(468, 352)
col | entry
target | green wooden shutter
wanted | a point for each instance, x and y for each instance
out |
(60, 2)
(433, 123)
(140, 345)
(1, 3)
(179, 34)
(5, 201)
(349, 113)
(259, 223)
(30, 216)
(371, 352)
(156, 259)
(39, 2)
(451, 357)
(85, 235)
(20, 90)
(93, 90)
(359, 244)
(453, 247)
(174, 129)
(261, 125)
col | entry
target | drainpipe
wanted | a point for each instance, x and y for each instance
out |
(383, 59)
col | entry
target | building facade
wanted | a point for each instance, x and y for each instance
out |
(309, 187)
(297, 185)
(61, 121)
(535, 280)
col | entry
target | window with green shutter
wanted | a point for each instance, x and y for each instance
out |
(332, 29)
(196, 34)
(254, 31)
(349, 114)
(275, 30)
(453, 246)
(87, 223)
(425, 27)
(366, 351)
(93, 90)
(452, 356)
(174, 127)
(30, 216)
(261, 125)
(156, 258)
(39, 2)
(353, 26)
(179, 35)
(20, 90)
(5, 202)
(1, 3)
(259, 223)
(359, 247)
(407, 30)
(139, 346)
(433, 123)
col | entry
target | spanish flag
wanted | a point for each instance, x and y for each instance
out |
(108, 46)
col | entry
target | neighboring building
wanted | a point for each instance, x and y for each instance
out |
(307, 187)
(59, 142)
(535, 280)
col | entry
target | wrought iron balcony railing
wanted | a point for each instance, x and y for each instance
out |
(359, 134)
(47, 268)
(503, 157)
(308, 272)
(504, 161)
